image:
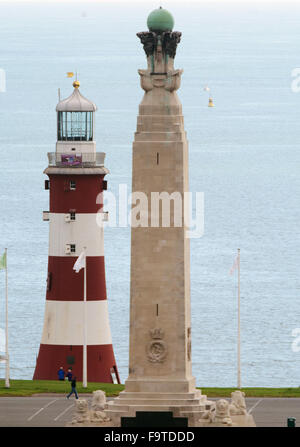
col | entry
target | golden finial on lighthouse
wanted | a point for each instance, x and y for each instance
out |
(76, 84)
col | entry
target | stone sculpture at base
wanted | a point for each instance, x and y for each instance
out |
(228, 414)
(96, 416)
(81, 416)
(220, 416)
(238, 404)
(97, 413)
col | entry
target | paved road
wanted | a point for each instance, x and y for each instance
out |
(56, 411)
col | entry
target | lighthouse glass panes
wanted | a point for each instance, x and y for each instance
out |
(75, 126)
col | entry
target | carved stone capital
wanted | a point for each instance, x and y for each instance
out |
(169, 81)
(169, 41)
(149, 42)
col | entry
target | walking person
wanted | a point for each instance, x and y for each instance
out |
(61, 373)
(73, 388)
(69, 375)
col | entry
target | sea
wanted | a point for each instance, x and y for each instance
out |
(244, 156)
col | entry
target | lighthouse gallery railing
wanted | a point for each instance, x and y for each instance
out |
(76, 159)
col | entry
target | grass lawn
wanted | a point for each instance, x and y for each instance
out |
(30, 387)
(252, 392)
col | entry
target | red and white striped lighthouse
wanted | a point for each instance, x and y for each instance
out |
(76, 178)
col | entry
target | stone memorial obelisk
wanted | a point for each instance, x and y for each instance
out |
(160, 374)
(160, 389)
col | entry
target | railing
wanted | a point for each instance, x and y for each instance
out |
(76, 160)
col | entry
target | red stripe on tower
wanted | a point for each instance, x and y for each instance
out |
(76, 182)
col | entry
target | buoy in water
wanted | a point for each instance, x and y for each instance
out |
(210, 103)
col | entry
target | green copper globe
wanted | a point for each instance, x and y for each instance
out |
(160, 20)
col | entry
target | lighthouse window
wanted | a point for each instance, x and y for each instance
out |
(75, 126)
(73, 248)
(72, 185)
(73, 216)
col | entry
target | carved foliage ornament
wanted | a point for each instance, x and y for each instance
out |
(169, 41)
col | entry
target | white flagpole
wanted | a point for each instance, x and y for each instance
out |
(7, 384)
(84, 372)
(239, 326)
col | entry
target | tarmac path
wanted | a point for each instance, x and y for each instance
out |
(56, 411)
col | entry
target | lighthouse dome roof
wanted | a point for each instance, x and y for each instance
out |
(160, 20)
(76, 102)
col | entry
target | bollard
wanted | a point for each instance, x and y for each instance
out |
(291, 422)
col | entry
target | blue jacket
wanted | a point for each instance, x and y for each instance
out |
(61, 374)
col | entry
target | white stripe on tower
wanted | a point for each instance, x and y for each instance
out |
(83, 232)
(61, 331)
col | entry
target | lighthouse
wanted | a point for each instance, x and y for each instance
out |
(76, 219)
